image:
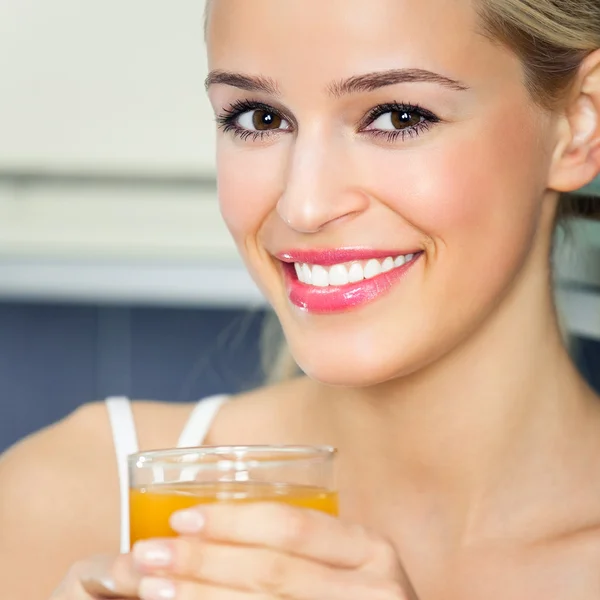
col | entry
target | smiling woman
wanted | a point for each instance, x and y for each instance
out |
(391, 173)
(455, 120)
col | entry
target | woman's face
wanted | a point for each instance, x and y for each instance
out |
(381, 167)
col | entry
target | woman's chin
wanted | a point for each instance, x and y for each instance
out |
(329, 369)
(349, 354)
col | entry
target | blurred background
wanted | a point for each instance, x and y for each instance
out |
(117, 275)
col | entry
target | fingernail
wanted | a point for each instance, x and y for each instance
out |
(152, 588)
(152, 554)
(187, 521)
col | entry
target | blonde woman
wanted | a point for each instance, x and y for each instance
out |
(392, 172)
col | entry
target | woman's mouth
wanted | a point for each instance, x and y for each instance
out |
(338, 280)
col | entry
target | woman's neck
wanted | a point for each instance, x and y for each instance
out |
(497, 422)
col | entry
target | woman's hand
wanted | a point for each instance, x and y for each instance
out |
(100, 578)
(267, 551)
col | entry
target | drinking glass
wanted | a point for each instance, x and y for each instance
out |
(165, 481)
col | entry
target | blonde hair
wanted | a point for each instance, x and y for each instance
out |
(551, 37)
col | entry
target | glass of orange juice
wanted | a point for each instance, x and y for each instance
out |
(164, 481)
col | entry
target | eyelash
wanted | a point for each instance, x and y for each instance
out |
(227, 121)
(428, 117)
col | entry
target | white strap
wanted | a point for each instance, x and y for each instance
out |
(200, 420)
(125, 440)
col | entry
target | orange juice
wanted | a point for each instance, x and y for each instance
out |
(151, 506)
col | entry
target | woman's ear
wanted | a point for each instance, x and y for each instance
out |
(576, 160)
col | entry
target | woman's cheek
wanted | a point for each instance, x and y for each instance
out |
(469, 184)
(433, 190)
(248, 187)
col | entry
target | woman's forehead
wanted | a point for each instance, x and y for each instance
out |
(340, 38)
(337, 19)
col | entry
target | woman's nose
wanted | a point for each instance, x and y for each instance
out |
(319, 188)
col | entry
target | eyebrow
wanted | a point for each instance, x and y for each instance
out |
(368, 82)
(250, 83)
(380, 79)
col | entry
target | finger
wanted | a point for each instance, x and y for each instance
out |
(339, 585)
(310, 534)
(159, 589)
(257, 570)
(107, 578)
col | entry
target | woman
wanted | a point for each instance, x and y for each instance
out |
(391, 172)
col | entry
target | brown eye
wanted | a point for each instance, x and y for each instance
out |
(402, 119)
(263, 120)
(398, 121)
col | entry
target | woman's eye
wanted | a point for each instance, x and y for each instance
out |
(260, 119)
(394, 120)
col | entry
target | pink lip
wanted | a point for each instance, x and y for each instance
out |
(333, 299)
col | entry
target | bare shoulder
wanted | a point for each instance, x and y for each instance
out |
(58, 501)
(59, 493)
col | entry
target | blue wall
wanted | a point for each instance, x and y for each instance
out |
(55, 357)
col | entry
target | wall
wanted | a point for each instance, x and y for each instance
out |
(55, 357)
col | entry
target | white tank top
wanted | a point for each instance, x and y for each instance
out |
(125, 439)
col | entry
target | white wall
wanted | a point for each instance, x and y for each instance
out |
(104, 86)
(107, 156)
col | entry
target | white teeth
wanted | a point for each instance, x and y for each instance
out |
(307, 273)
(320, 277)
(387, 264)
(355, 273)
(372, 269)
(343, 274)
(338, 275)
(400, 261)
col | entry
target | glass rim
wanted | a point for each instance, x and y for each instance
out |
(273, 455)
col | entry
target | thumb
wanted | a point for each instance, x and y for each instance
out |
(102, 578)
(109, 578)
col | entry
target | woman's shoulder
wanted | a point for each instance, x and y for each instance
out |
(80, 447)
(58, 500)
(46, 462)
(73, 442)
(82, 443)
(59, 489)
